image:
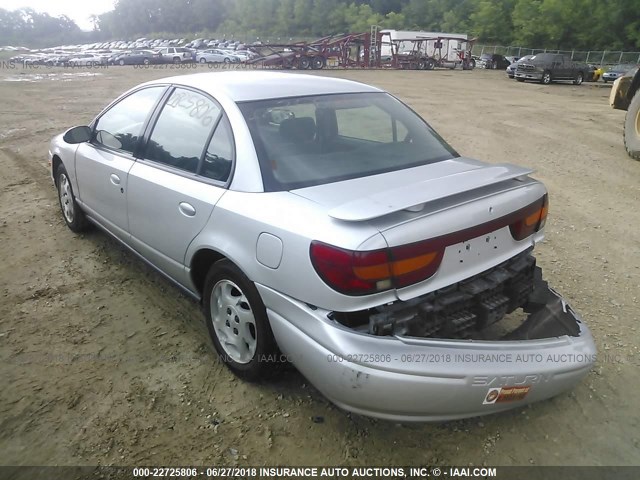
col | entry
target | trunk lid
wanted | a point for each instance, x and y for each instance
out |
(437, 200)
(414, 190)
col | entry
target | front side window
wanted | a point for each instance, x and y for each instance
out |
(180, 135)
(321, 139)
(120, 127)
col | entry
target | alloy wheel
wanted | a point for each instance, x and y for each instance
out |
(66, 198)
(233, 321)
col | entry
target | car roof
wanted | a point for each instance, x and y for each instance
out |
(260, 85)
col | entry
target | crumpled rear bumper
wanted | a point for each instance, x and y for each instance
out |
(424, 379)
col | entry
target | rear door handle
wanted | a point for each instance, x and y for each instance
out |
(115, 179)
(187, 209)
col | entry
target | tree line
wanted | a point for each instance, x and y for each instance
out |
(556, 24)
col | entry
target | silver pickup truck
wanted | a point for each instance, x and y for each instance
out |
(625, 96)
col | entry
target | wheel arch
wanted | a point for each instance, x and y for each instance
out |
(56, 161)
(200, 265)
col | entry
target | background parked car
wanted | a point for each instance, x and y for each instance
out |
(216, 56)
(139, 57)
(549, 67)
(615, 72)
(511, 69)
(594, 74)
(87, 60)
(176, 54)
(494, 61)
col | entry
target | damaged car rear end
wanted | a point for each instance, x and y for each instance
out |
(424, 300)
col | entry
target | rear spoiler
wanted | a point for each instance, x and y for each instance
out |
(426, 191)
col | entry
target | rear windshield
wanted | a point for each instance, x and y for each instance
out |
(314, 140)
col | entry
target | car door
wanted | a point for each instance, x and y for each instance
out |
(103, 164)
(174, 187)
(560, 69)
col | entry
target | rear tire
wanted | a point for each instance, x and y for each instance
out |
(304, 62)
(579, 78)
(237, 322)
(317, 62)
(429, 64)
(632, 128)
(72, 214)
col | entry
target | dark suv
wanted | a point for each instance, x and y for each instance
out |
(548, 67)
(494, 61)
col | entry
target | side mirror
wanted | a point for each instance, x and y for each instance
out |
(77, 135)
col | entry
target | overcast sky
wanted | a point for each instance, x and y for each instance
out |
(78, 10)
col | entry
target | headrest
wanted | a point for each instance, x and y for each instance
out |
(297, 130)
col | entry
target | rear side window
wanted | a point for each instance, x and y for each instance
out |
(120, 127)
(219, 155)
(181, 132)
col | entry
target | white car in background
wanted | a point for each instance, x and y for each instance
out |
(87, 60)
(216, 56)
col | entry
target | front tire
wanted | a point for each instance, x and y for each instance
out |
(632, 128)
(520, 79)
(73, 215)
(546, 77)
(237, 322)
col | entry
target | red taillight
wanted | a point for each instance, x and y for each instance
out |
(361, 273)
(531, 219)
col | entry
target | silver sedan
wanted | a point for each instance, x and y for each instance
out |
(216, 56)
(322, 221)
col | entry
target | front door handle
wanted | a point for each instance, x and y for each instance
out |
(115, 179)
(187, 209)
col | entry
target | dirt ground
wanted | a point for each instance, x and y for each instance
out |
(102, 362)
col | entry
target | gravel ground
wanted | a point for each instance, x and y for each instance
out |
(103, 362)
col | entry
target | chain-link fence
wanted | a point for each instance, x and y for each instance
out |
(597, 57)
